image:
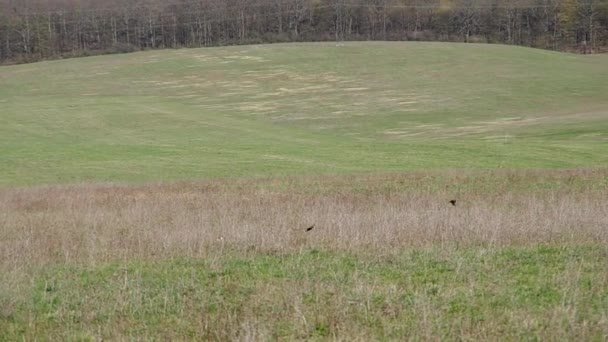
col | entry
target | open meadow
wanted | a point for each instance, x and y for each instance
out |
(301, 109)
(166, 195)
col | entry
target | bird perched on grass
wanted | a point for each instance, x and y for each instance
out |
(453, 202)
(310, 228)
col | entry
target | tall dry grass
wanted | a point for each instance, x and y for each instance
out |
(101, 222)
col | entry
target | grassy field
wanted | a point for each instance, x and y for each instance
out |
(165, 195)
(523, 255)
(300, 109)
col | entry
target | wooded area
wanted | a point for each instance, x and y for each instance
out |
(38, 29)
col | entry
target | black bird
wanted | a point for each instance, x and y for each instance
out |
(310, 228)
(453, 202)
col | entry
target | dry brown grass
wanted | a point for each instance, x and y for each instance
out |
(97, 223)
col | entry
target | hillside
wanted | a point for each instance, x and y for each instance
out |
(300, 108)
(432, 192)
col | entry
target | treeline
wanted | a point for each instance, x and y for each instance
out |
(37, 29)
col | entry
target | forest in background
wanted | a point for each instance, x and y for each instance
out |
(32, 30)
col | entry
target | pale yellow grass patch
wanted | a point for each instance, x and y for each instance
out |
(355, 89)
(258, 107)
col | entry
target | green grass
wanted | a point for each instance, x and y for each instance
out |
(300, 108)
(509, 293)
(91, 263)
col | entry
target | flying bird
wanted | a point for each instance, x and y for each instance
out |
(310, 228)
(453, 202)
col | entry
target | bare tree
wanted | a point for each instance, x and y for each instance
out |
(466, 17)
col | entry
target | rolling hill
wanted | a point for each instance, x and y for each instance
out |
(300, 108)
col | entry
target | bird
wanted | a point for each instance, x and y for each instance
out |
(453, 202)
(310, 228)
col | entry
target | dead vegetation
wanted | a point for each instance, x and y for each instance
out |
(104, 222)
